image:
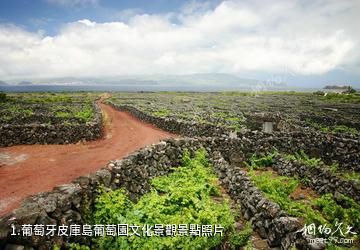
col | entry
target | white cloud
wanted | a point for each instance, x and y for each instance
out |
(71, 3)
(235, 37)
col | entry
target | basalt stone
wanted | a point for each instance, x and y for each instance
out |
(27, 213)
(12, 134)
(83, 181)
(48, 201)
(44, 219)
(105, 176)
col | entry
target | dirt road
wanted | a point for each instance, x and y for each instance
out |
(29, 169)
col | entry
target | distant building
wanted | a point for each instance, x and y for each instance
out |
(338, 89)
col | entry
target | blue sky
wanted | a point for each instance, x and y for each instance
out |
(51, 15)
(298, 41)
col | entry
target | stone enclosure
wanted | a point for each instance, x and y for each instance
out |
(46, 133)
(71, 203)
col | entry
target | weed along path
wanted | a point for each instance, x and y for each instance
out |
(29, 169)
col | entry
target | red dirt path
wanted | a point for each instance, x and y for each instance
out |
(28, 169)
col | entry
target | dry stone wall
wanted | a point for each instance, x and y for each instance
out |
(71, 203)
(266, 216)
(319, 178)
(12, 134)
(330, 148)
(174, 126)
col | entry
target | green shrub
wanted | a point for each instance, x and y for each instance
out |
(61, 114)
(348, 213)
(325, 210)
(242, 238)
(303, 158)
(354, 176)
(162, 113)
(86, 114)
(345, 129)
(49, 99)
(183, 197)
(346, 98)
(262, 161)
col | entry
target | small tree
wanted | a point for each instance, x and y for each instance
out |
(2, 97)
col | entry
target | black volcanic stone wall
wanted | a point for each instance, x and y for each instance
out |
(174, 126)
(71, 203)
(319, 178)
(51, 134)
(266, 216)
(328, 147)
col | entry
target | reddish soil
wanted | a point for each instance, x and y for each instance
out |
(28, 169)
(304, 193)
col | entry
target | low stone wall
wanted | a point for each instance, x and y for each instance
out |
(41, 113)
(71, 203)
(319, 178)
(51, 134)
(266, 216)
(174, 126)
(330, 148)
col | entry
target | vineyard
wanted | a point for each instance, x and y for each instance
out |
(224, 183)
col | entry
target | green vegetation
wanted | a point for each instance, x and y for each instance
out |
(334, 168)
(278, 189)
(2, 97)
(345, 129)
(41, 107)
(237, 110)
(321, 211)
(341, 98)
(162, 113)
(353, 176)
(238, 93)
(50, 99)
(86, 114)
(74, 246)
(186, 196)
(348, 212)
(332, 129)
(303, 158)
(325, 210)
(62, 114)
(259, 162)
